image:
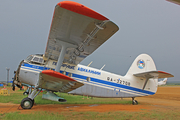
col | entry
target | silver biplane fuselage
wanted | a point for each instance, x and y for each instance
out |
(96, 82)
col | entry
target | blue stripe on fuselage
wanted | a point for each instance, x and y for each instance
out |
(114, 84)
(94, 80)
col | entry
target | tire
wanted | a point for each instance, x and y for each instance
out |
(27, 103)
(33, 101)
(134, 102)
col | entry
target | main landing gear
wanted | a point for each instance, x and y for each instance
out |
(28, 102)
(134, 102)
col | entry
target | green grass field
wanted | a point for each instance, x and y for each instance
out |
(144, 114)
(16, 98)
(119, 115)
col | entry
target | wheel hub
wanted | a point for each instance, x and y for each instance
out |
(26, 103)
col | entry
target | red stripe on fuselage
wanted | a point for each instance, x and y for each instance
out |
(81, 9)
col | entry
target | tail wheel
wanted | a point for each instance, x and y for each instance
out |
(135, 102)
(27, 103)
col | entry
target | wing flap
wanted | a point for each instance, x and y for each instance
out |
(154, 74)
(55, 81)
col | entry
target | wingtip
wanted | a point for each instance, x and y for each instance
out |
(166, 73)
(81, 9)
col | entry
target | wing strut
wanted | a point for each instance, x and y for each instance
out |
(147, 78)
(64, 45)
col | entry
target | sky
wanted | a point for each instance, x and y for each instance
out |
(146, 26)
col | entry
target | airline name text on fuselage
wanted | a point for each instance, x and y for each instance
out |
(64, 65)
(89, 71)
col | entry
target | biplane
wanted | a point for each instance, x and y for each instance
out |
(162, 82)
(76, 32)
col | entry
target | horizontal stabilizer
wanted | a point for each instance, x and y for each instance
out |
(154, 74)
(55, 81)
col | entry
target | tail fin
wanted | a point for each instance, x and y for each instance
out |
(144, 71)
(143, 63)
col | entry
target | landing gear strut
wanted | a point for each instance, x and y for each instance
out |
(28, 102)
(134, 102)
(28, 91)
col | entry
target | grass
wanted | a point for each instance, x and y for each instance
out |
(13, 98)
(144, 114)
(16, 98)
(119, 115)
(35, 116)
(77, 99)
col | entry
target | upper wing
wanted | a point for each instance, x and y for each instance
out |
(55, 81)
(76, 24)
(154, 74)
(175, 1)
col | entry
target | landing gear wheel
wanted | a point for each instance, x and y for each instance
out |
(33, 101)
(27, 103)
(135, 102)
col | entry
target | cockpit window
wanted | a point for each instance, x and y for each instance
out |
(29, 58)
(40, 60)
(35, 59)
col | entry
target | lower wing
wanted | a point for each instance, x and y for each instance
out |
(55, 81)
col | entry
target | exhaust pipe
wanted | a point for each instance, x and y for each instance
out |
(53, 97)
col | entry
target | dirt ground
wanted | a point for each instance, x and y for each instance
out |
(166, 98)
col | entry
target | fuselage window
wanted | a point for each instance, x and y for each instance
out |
(64, 72)
(88, 79)
(70, 74)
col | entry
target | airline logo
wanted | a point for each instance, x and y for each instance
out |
(141, 64)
